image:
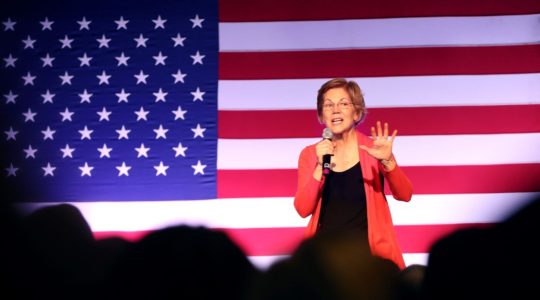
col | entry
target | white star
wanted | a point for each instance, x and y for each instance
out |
(197, 22)
(121, 23)
(85, 60)
(122, 96)
(48, 169)
(123, 133)
(141, 77)
(48, 97)
(10, 61)
(86, 169)
(84, 24)
(48, 133)
(141, 41)
(180, 150)
(29, 79)
(46, 24)
(198, 95)
(160, 95)
(122, 59)
(30, 152)
(142, 151)
(103, 41)
(12, 171)
(178, 40)
(29, 43)
(85, 96)
(161, 132)
(11, 134)
(123, 169)
(10, 98)
(29, 116)
(198, 131)
(66, 78)
(179, 113)
(104, 114)
(86, 133)
(179, 77)
(161, 169)
(160, 59)
(198, 168)
(47, 61)
(141, 114)
(104, 151)
(103, 78)
(66, 115)
(67, 151)
(197, 58)
(159, 22)
(66, 42)
(9, 25)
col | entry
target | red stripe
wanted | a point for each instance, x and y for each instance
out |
(286, 10)
(380, 62)
(457, 120)
(283, 241)
(426, 180)
(132, 236)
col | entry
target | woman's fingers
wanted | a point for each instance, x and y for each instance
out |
(379, 129)
(385, 133)
(393, 135)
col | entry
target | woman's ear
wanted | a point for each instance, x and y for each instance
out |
(358, 116)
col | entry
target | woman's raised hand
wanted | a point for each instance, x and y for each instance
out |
(382, 143)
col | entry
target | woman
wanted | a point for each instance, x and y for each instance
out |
(351, 197)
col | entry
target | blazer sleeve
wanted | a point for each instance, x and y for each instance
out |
(308, 188)
(399, 183)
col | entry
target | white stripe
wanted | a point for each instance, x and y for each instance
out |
(416, 259)
(220, 213)
(407, 91)
(458, 208)
(263, 263)
(421, 150)
(379, 33)
(280, 212)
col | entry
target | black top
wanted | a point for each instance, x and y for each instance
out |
(344, 203)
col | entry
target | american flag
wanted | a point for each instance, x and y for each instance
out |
(459, 82)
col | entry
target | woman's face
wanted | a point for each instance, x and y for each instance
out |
(339, 113)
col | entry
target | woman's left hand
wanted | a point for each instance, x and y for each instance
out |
(382, 144)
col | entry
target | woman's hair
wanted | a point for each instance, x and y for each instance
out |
(351, 87)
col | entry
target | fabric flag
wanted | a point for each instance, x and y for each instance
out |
(108, 102)
(459, 82)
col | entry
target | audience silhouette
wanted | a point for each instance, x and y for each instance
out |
(483, 263)
(329, 267)
(182, 263)
(52, 253)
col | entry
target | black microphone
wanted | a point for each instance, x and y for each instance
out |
(327, 135)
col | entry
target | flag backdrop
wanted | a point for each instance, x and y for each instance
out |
(195, 112)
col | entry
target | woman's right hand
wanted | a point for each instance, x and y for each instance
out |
(324, 147)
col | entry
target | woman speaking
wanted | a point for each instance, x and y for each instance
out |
(341, 178)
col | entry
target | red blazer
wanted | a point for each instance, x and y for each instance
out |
(381, 234)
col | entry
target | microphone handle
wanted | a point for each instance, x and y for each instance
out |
(326, 164)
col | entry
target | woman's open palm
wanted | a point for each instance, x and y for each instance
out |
(382, 143)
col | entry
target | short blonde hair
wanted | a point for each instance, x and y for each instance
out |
(357, 98)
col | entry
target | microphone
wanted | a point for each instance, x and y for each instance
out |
(327, 135)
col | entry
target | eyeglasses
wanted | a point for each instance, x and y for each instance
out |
(342, 105)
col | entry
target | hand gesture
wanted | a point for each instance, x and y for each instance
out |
(382, 144)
